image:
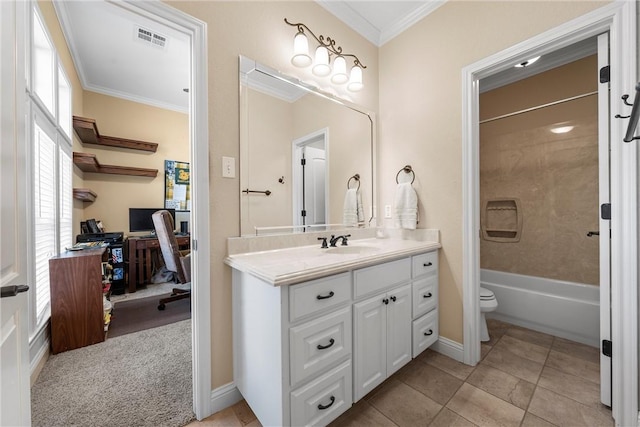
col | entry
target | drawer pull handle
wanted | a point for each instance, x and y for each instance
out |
(324, 347)
(426, 334)
(323, 407)
(429, 295)
(427, 264)
(393, 298)
(386, 300)
(329, 295)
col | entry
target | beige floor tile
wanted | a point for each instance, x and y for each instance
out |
(447, 364)
(254, 423)
(448, 418)
(484, 409)
(431, 381)
(531, 420)
(404, 405)
(484, 350)
(362, 414)
(496, 330)
(573, 387)
(573, 365)
(500, 357)
(563, 411)
(500, 384)
(224, 418)
(581, 351)
(244, 412)
(533, 337)
(525, 349)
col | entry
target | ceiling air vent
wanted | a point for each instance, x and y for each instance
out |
(152, 38)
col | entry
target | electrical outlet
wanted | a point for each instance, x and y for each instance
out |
(228, 167)
(387, 211)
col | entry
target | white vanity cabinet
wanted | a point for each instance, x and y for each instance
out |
(293, 347)
(304, 352)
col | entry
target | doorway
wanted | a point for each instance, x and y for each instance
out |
(619, 20)
(310, 186)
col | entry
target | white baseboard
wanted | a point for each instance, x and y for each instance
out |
(38, 353)
(449, 348)
(224, 396)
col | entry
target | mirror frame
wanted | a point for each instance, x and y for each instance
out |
(247, 65)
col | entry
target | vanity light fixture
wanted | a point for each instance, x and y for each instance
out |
(321, 64)
(527, 62)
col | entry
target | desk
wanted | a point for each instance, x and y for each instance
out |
(140, 251)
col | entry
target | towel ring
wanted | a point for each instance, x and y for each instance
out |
(357, 178)
(406, 169)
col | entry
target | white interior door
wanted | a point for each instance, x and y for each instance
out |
(15, 404)
(314, 192)
(605, 224)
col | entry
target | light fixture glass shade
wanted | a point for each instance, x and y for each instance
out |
(355, 79)
(321, 66)
(339, 71)
(300, 56)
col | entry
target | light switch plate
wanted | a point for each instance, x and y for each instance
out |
(228, 167)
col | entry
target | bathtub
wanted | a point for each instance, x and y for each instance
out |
(564, 309)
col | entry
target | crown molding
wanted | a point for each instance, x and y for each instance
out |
(138, 99)
(65, 23)
(353, 19)
(402, 24)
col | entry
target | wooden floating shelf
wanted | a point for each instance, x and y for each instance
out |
(84, 194)
(87, 162)
(87, 131)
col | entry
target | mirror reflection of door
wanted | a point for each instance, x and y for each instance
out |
(310, 185)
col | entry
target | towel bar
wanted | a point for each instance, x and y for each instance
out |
(406, 169)
(357, 178)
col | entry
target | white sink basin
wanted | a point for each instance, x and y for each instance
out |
(355, 249)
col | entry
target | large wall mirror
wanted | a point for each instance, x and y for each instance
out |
(300, 151)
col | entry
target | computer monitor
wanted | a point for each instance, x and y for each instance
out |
(140, 219)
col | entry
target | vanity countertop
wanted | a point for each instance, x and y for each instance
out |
(294, 265)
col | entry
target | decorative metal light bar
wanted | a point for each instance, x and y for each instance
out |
(322, 60)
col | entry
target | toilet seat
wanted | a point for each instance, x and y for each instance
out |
(488, 300)
(486, 295)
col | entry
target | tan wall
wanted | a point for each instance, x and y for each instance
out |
(421, 107)
(126, 119)
(257, 30)
(554, 176)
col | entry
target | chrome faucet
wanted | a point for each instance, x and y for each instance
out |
(334, 240)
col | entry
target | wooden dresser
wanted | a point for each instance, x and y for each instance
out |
(77, 314)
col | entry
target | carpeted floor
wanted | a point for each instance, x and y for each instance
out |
(139, 379)
(140, 314)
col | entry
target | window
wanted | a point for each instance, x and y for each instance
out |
(49, 110)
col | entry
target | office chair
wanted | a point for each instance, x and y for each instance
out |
(177, 261)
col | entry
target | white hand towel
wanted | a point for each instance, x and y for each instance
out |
(406, 206)
(350, 209)
(360, 207)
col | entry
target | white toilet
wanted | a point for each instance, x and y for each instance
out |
(488, 303)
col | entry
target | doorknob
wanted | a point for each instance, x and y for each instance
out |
(593, 233)
(13, 290)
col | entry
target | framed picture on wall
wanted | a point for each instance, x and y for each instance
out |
(177, 186)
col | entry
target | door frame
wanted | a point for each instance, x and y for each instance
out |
(296, 187)
(619, 19)
(200, 227)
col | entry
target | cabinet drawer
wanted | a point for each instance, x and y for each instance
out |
(324, 399)
(425, 264)
(425, 295)
(317, 295)
(380, 277)
(317, 344)
(425, 332)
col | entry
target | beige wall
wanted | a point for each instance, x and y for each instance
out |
(126, 119)
(554, 176)
(257, 30)
(421, 106)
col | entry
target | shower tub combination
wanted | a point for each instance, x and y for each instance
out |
(564, 309)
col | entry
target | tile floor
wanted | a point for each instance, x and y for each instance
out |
(525, 378)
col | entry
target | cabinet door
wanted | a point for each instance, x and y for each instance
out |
(370, 350)
(398, 328)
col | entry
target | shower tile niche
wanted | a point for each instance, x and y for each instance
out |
(501, 220)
